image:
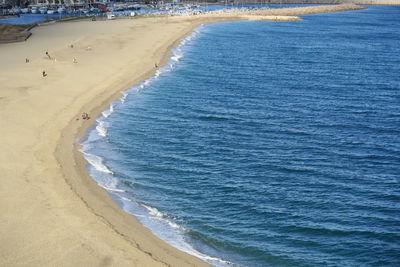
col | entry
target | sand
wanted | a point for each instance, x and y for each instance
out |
(376, 2)
(52, 211)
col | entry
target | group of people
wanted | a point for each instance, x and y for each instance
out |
(44, 74)
(85, 116)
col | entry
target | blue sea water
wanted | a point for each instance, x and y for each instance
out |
(266, 143)
(33, 18)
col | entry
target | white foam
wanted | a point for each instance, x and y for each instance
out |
(106, 177)
(90, 138)
(113, 189)
(106, 113)
(182, 244)
(153, 211)
(209, 258)
(138, 215)
(101, 129)
(176, 57)
(162, 217)
(125, 198)
(123, 97)
(109, 182)
(97, 163)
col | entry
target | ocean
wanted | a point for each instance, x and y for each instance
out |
(265, 143)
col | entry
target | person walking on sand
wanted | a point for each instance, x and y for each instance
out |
(44, 74)
(26, 60)
(48, 55)
(74, 60)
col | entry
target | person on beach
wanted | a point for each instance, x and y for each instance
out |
(48, 55)
(85, 116)
(74, 60)
(44, 74)
(26, 60)
(72, 46)
(156, 66)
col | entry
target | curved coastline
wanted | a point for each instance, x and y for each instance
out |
(75, 221)
(122, 223)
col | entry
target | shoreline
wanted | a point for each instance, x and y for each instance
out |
(73, 132)
(71, 220)
(95, 167)
(77, 213)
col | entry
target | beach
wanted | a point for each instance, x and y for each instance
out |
(53, 212)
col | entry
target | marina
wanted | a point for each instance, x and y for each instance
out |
(42, 13)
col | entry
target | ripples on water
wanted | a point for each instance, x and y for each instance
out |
(269, 144)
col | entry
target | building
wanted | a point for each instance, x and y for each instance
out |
(59, 2)
(47, 2)
(4, 3)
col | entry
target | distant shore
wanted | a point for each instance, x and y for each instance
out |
(327, 2)
(53, 212)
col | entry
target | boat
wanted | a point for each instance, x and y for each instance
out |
(51, 11)
(134, 7)
(34, 9)
(15, 10)
(25, 10)
(100, 7)
(61, 10)
(43, 9)
(83, 10)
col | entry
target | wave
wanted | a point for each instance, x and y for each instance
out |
(158, 72)
(101, 128)
(180, 236)
(106, 113)
(100, 172)
(97, 163)
(123, 97)
(107, 179)
(177, 57)
(162, 217)
(114, 189)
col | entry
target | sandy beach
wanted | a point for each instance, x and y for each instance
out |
(53, 212)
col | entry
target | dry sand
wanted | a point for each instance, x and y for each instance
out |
(52, 212)
(376, 2)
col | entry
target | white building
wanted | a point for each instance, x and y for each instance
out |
(5, 2)
(77, 2)
(58, 2)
